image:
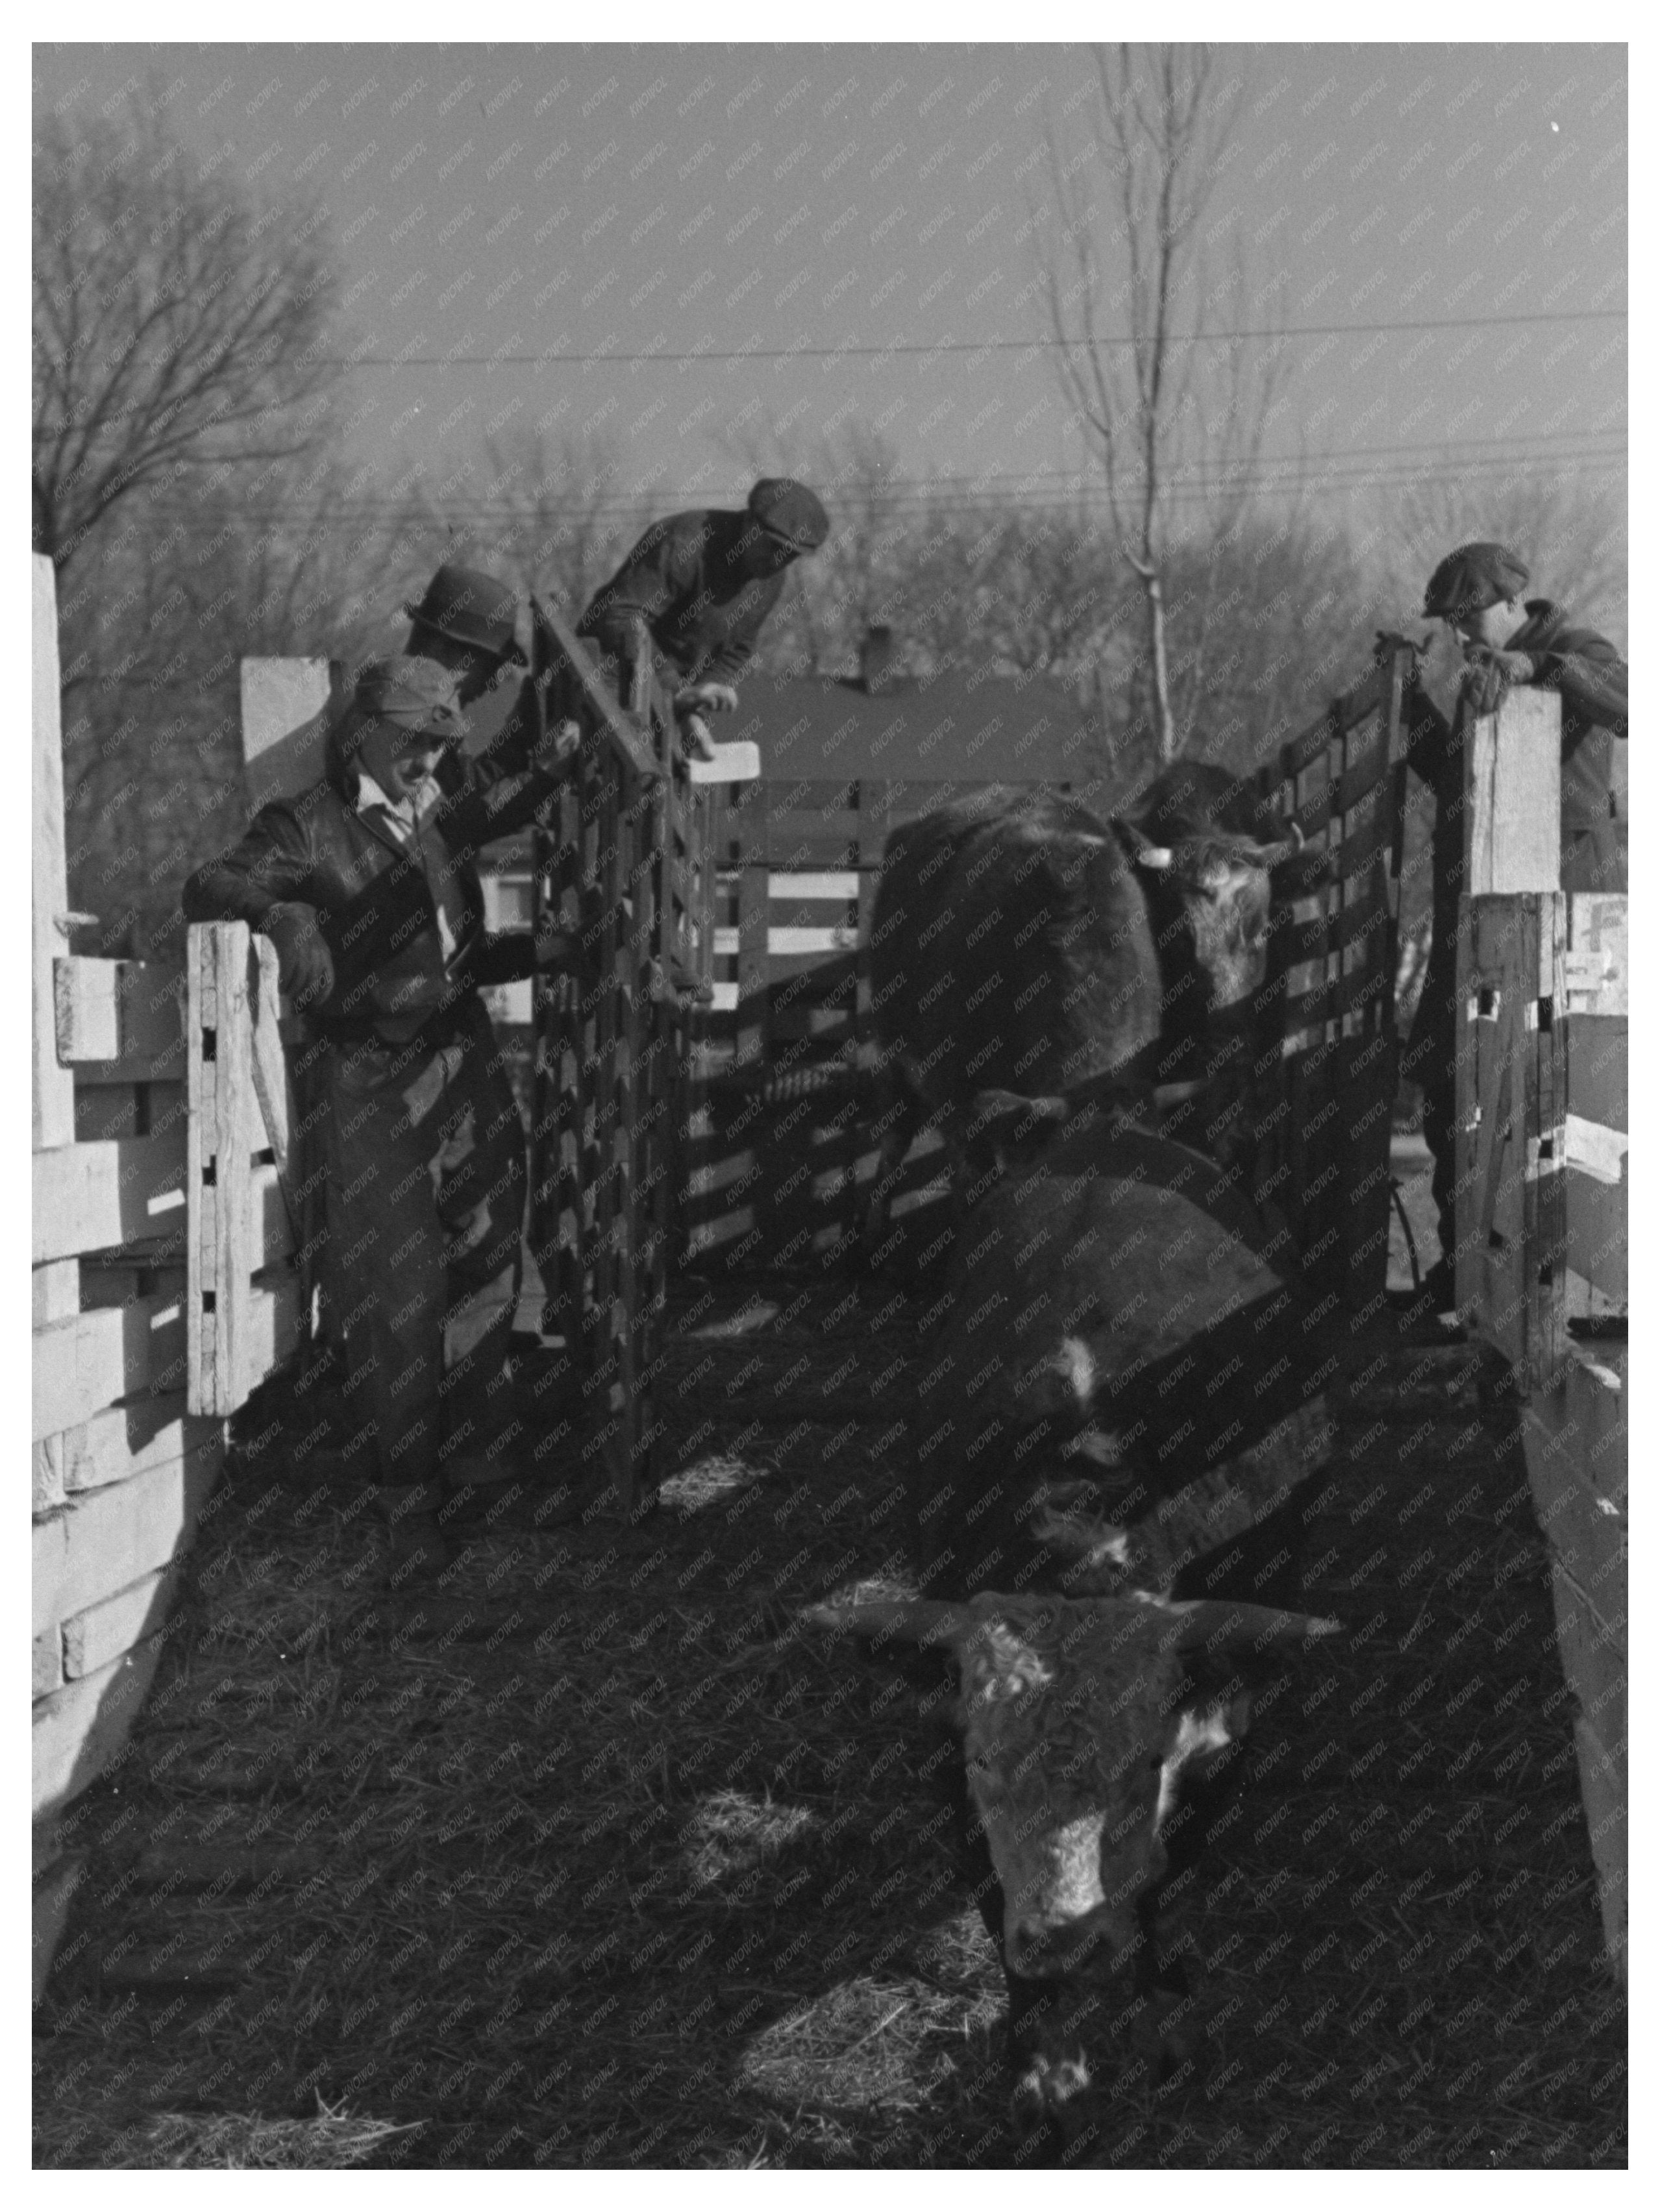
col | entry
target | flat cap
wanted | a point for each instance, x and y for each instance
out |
(472, 607)
(416, 694)
(1473, 577)
(791, 512)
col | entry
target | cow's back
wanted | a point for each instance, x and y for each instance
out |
(1113, 1288)
(1011, 947)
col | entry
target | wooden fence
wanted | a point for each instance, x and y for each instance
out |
(1542, 1191)
(782, 1142)
(622, 865)
(163, 1291)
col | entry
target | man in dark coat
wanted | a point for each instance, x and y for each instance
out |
(702, 584)
(367, 885)
(1477, 590)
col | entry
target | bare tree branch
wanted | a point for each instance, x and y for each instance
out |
(176, 326)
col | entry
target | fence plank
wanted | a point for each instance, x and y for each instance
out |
(120, 1011)
(79, 1730)
(1513, 813)
(105, 1539)
(224, 1119)
(123, 1440)
(89, 1197)
(52, 1086)
(89, 1360)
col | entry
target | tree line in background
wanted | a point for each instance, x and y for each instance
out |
(194, 485)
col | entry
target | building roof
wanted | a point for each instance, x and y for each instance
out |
(967, 725)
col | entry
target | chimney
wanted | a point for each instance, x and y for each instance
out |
(878, 657)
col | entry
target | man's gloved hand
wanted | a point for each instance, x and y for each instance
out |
(707, 698)
(558, 751)
(305, 967)
(553, 948)
(1490, 674)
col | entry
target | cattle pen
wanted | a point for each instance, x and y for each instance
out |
(625, 1872)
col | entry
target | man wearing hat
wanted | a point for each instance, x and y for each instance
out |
(1507, 640)
(367, 885)
(466, 621)
(702, 584)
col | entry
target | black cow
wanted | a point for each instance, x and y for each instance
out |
(1020, 943)
(1120, 1400)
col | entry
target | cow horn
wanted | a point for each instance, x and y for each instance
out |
(1143, 850)
(1239, 1627)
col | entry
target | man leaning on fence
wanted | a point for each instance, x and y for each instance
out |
(1507, 640)
(367, 885)
(701, 585)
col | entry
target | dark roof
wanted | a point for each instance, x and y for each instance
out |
(963, 724)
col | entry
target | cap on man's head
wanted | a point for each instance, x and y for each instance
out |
(415, 695)
(1473, 577)
(788, 510)
(471, 608)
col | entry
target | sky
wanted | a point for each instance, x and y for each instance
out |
(726, 243)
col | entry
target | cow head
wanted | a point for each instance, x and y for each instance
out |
(1078, 1722)
(1221, 884)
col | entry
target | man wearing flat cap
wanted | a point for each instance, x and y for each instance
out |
(1477, 590)
(702, 584)
(367, 885)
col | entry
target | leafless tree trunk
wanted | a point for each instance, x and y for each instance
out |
(1129, 298)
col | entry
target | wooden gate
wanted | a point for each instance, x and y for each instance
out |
(165, 1289)
(1542, 1200)
(1328, 1068)
(623, 865)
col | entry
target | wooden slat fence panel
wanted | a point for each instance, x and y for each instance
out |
(626, 863)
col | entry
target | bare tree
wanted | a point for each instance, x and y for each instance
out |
(1176, 426)
(177, 327)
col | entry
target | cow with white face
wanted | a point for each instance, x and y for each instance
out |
(1121, 1396)
(1079, 1720)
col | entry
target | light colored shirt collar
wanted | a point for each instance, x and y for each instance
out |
(407, 811)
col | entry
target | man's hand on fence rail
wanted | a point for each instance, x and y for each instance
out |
(1490, 674)
(706, 698)
(1394, 640)
(556, 751)
(306, 966)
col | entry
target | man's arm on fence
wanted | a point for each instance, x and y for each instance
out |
(1590, 676)
(270, 865)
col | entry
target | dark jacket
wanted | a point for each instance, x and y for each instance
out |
(679, 580)
(377, 899)
(1590, 677)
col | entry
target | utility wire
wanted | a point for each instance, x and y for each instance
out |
(897, 346)
(1090, 498)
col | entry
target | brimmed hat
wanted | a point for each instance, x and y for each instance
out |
(473, 609)
(1473, 577)
(415, 695)
(791, 512)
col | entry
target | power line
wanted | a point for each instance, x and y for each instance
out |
(1412, 455)
(894, 347)
(1055, 501)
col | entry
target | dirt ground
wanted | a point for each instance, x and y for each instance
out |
(618, 1875)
